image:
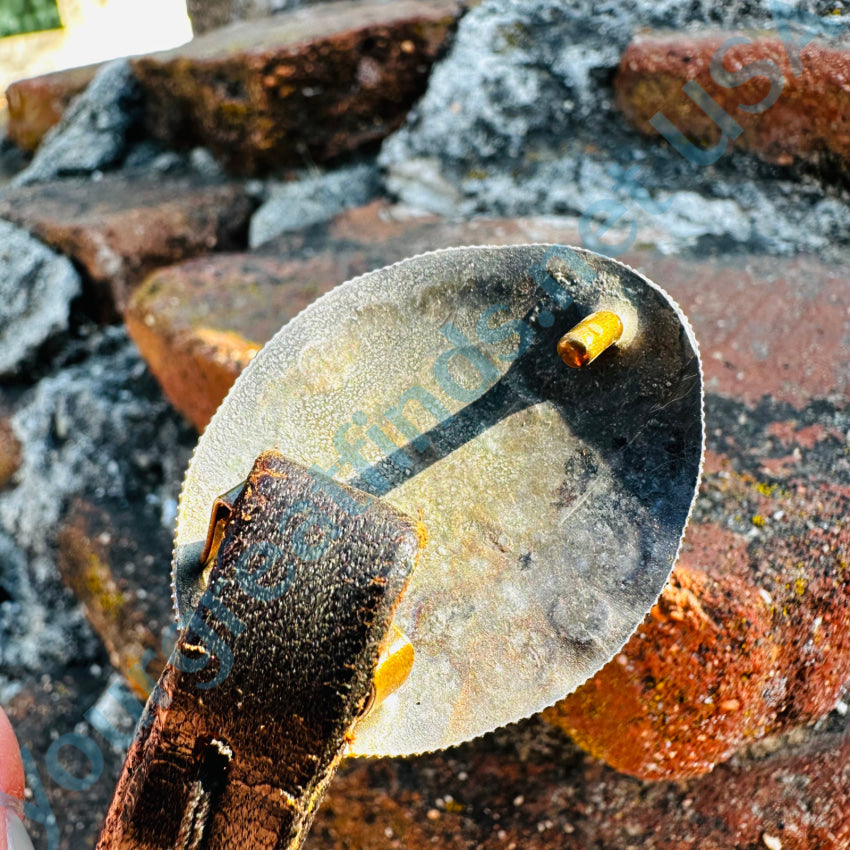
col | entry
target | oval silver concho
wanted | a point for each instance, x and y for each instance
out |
(553, 499)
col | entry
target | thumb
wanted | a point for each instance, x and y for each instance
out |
(13, 836)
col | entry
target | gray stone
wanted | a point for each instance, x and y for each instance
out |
(36, 289)
(100, 430)
(519, 119)
(12, 159)
(204, 163)
(207, 15)
(94, 131)
(31, 631)
(149, 155)
(311, 200)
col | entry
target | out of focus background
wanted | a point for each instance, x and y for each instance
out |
(177, 182)
(38, 36)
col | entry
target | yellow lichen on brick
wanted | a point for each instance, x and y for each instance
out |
(101, 587)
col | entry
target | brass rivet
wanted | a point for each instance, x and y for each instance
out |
(218, 523)
(589, 338)
(394, 665)
(222, 510)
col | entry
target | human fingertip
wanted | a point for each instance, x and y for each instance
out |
(12, 779)
(13, 835)
(16, 834)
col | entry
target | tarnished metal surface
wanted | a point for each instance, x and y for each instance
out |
(554, 499)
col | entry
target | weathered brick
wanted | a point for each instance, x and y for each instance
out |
(524, 788)
(766, 326)
(10, 452)
(198, 324)
(749, 638)
(37, 104)
(105, 556)
(308, 85)
(118, 230)
(809, 120)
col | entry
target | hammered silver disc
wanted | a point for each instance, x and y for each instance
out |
(554, 500)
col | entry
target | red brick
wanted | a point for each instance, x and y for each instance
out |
(119, 230)
(100, 554)
(521, 788)
(766, 326)
(37, 104)
(198, 324)
(10, 452)
(749, 638)
(308, 85)
(811, 117)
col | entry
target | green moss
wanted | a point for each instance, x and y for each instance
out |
(22, 16)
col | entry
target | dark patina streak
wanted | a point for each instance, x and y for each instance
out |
(250, 718)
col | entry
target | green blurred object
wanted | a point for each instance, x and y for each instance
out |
(20, 16)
